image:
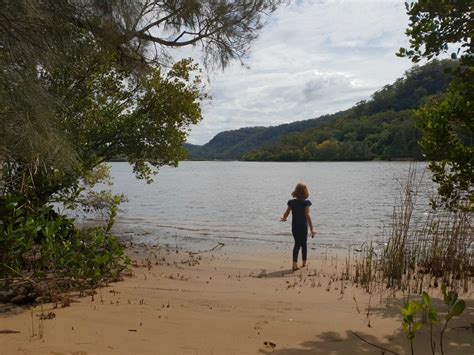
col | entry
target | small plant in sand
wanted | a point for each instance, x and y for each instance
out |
(410, 323)
(414, 311)
(455, 308)
(431, 315)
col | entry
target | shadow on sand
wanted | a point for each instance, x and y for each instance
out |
(350, 343)
(280, 273)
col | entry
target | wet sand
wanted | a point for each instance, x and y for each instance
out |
(225, 302)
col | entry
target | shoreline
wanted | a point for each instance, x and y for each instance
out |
(223, 302)
(240, 244)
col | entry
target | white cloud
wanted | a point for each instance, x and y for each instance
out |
(312, 58)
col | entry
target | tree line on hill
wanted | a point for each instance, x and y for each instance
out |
(383, 127)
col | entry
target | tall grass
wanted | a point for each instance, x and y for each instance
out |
(422, 249)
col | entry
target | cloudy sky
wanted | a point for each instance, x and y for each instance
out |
(312, 58)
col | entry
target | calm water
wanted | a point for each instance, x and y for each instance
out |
(240, 203)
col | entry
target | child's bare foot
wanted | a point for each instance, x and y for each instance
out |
(295, 267)
(304, 265)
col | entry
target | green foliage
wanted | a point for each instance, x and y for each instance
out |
(455, 308)
(434, 25)
(115, 113)
(447, 123)
(431, 315)
(410, 323)
(412, 90)
(30, 141)
(43, 243)
(447, 141)
(455, 305)
(38, 242)
(389, 135)
(61, 118)
(84, 82)
(233, 144)
(18, 232)
(425, 307)
(428, 308)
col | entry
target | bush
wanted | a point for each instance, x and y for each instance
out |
(40, 244)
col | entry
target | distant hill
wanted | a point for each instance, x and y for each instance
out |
(231, 145)
(381, 128)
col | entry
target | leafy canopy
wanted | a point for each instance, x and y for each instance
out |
(448, 122)
(86, 81)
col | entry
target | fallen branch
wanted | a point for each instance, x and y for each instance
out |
(216, 247)
(372, 344)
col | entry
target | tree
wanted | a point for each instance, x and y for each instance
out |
(448, 122)
(84, 81)
(224, 29)
(97, 108)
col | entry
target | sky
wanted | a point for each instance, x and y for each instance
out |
(312, 58)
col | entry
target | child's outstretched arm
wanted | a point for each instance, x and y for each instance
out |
(286, 214)
(310, 221)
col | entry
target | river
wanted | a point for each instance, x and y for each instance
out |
(200, 204)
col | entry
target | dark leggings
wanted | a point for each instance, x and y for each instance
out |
(301, 236)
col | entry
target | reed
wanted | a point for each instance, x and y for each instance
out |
(422, 250)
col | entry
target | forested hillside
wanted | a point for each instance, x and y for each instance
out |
(231, 145)
(381, 128)
(386, 135)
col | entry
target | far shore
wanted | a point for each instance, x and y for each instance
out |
(118, 160)
(218, 301)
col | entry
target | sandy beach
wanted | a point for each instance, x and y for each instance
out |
(225, 302)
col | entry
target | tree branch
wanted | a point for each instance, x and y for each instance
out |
(161, 20)
(174, 43)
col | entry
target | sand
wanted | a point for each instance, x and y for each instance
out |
(224, 302)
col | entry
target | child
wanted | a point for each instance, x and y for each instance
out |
(299, 207)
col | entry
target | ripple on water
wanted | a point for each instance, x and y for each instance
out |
(201, 202)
